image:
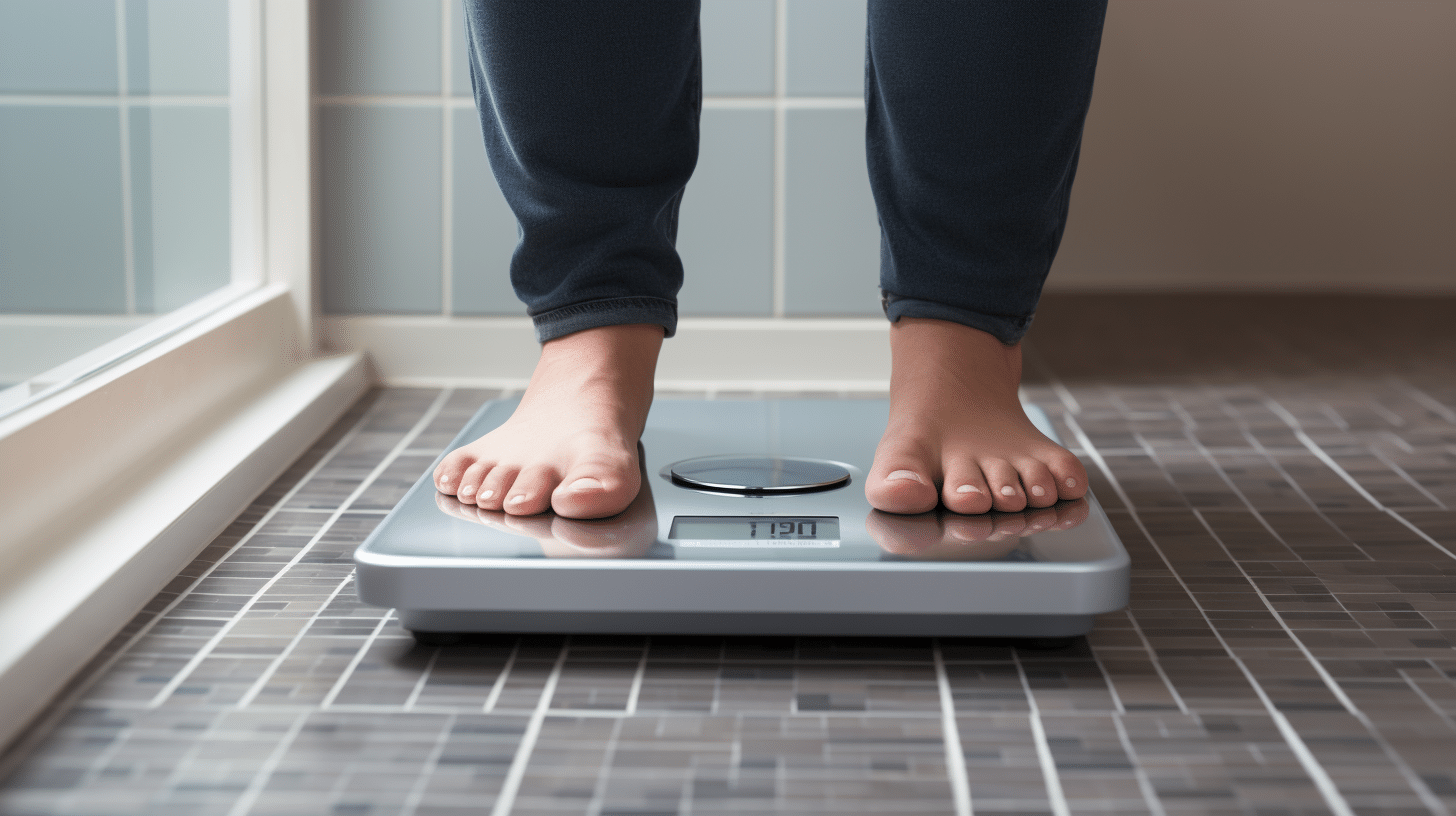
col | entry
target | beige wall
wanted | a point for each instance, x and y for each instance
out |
(1256, 144)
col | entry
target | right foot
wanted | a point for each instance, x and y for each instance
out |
(571, 445)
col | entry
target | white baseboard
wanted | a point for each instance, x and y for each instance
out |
(835, 354)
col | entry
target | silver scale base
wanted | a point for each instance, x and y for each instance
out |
(799, 552)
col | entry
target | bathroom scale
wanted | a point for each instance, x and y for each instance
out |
(751, 520)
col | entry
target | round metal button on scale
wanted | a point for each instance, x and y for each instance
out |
(759, 475)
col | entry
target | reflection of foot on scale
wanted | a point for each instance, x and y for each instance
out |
(751, 520)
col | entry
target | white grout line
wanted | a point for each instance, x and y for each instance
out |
(1307, 760)
(506, 799)
(775, 103)
(1298, 430)
(262, 681)
(609, 713)
(1426, 401)
(414, 695)
(207, 648)
(955, 754)
(249, 797)
(604, 772)
(1107, 681)
(780, 156)
(1145, 785)
(783, 103)
(1426, 698)
(636, 691)
(1056, 797)
(500, 680)
(354, 662)
(1401, 472)
(427, 768)
(447, 164)
(123, 115)
(123, 98)
(1417, 784)
(1290, 420)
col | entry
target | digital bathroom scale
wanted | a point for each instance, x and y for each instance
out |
(752, 519)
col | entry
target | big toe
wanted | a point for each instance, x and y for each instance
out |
(900, 482)
(597, 490)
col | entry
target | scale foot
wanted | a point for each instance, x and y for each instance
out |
(437, 638)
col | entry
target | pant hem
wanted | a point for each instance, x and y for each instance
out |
(1009, 329)
(609, 312)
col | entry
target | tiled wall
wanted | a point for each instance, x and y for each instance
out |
(413, 222)
(114, 154)
(1237, 145)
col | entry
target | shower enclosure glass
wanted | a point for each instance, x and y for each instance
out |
(115, 179)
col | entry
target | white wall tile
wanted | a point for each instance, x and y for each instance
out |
(58, 46)
(738, 46)
(832, 252)
(177, 46)
(484, 231)
(725, 233)
(826, 40)
(378, 46)
(459, 52)
(381, 210)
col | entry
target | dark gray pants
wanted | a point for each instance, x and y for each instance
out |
(975, 109)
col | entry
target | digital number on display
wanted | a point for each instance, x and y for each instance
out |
(759, 531)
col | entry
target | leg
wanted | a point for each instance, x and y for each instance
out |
(590, 116)
(975, 113)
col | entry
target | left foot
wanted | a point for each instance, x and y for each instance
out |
(957, 434)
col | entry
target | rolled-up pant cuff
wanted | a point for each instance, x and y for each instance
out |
(608, 312)
(1009, 329)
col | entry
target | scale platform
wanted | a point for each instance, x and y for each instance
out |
(752, 519)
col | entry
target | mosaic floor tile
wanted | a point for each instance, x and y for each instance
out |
(1290, 647)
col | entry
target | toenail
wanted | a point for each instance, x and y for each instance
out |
(518, 499)
(444, 480)
(1071, 482)
(1038, 490)
(466, 490)
(904, 475)
(586, 483)
(485, 494)
(1008, 490)
(968, 489)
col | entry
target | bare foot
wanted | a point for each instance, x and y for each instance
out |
(957, 435)
(571, 444)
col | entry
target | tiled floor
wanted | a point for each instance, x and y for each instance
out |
(1283, 472)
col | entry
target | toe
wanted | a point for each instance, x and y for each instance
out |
(901, 486)
(448, 472)
(596, 492)
(1037, 482)
(468, 483)
(1069, 474)
(491, 495)
(1005, 484)
(530, 493)
(965, 489)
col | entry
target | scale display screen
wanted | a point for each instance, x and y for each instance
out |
(756, 531)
